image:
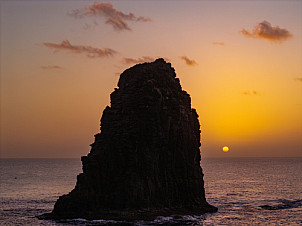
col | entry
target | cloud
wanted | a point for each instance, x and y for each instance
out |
(188, 61)
(113, 17)
(298, 79)
(218, 43)
(90, 51)
(266, 31)
(50, 67)
(90, 26)
(117, 23)
(138, 60)
(247, 93)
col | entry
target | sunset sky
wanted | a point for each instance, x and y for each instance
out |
(241, 62)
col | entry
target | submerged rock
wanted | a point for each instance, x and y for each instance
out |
(285, 204)
(145, 161)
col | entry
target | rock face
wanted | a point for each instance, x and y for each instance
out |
(146, 159)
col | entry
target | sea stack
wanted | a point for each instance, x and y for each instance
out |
(145, 162)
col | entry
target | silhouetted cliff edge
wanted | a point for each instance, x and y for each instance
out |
(145, 162)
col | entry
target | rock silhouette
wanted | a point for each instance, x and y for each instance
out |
(145, 161)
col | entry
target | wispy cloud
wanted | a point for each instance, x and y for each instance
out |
(118, 24)
(138, 60)
(218, 43)
(90, 26)
(266, 31)
(247, 93)
(90, 51)
(188, 61)
(51, 67)
(298, 79)
(113, 17)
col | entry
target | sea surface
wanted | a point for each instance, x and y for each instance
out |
(247, 191)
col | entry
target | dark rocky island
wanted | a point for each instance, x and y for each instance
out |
(145, 162)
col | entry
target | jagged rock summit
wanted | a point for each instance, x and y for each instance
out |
(145, 162)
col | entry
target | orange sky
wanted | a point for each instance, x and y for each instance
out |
(239, 61)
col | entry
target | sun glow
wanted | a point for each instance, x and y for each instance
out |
(225, 149)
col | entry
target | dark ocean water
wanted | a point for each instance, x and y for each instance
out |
(247, 191)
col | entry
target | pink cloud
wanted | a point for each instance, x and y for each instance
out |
(138, 60)
(265, 30)
(113, 16)
(90, 51)
(117, 23)
(188, 61)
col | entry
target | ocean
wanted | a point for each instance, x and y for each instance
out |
(247, 191)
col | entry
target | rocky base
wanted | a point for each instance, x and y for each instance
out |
(134, 215)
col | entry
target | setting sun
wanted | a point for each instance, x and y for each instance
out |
(225, 149)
